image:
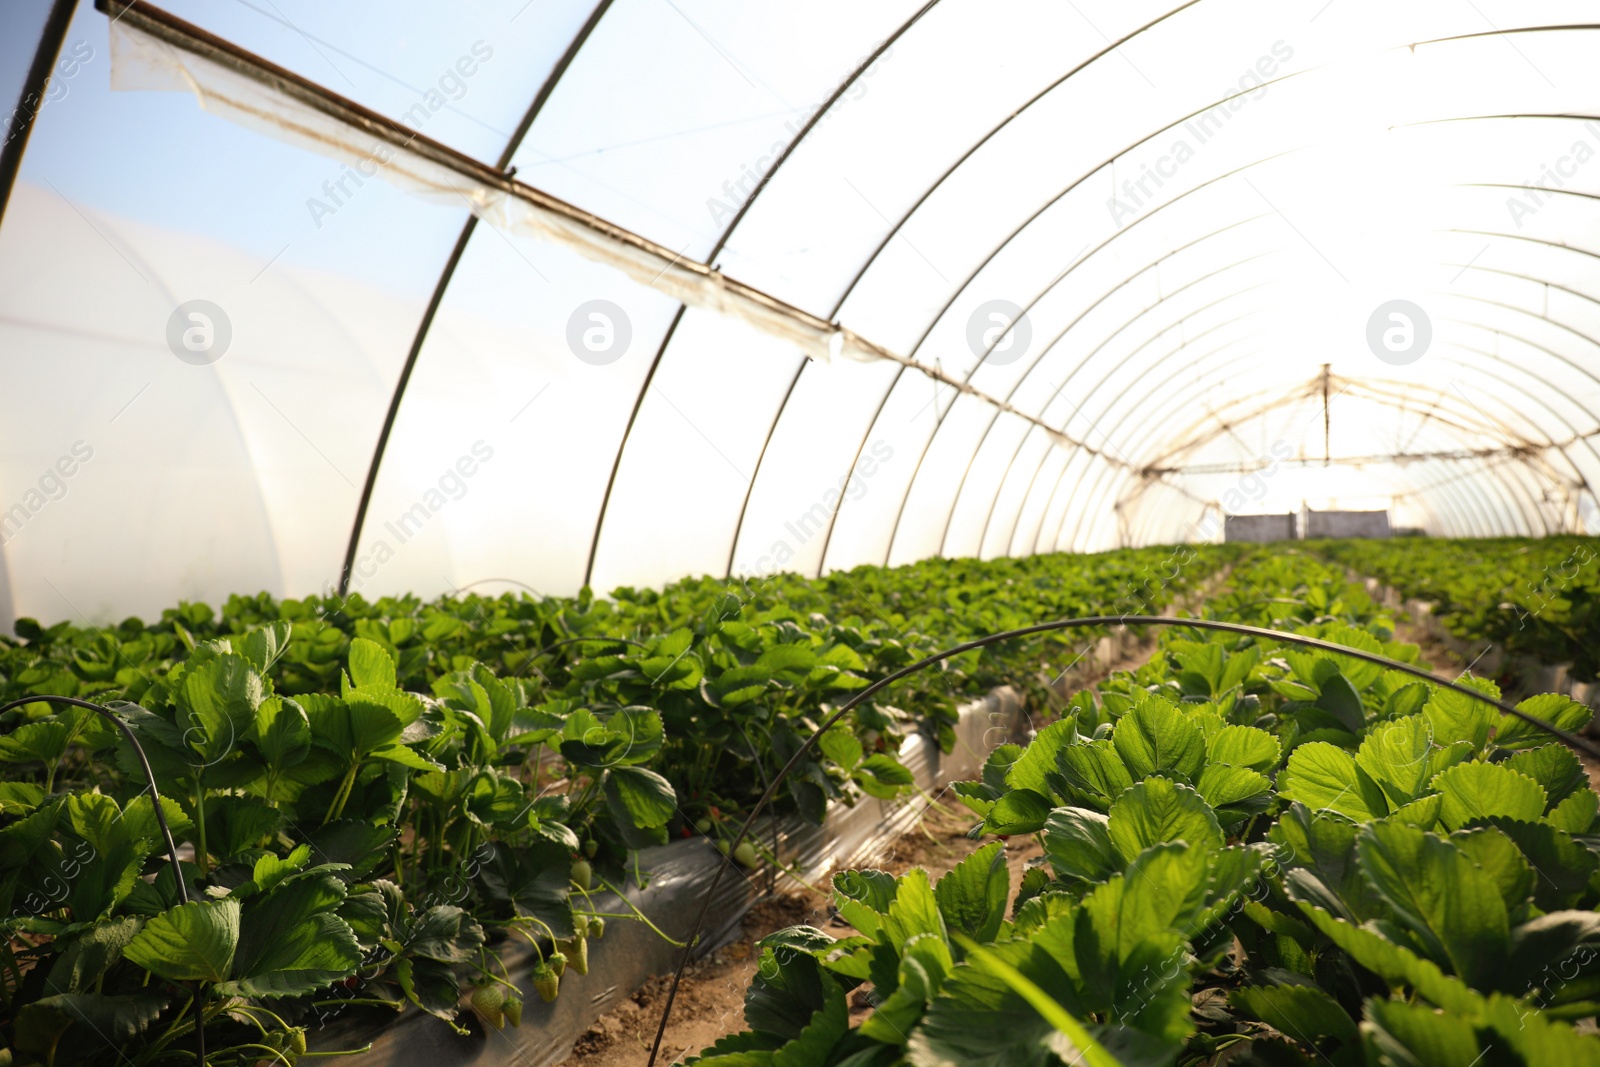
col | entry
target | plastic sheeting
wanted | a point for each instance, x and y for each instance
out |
(679, 875)
(1194, 207)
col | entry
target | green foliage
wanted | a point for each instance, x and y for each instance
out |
(1281, 855)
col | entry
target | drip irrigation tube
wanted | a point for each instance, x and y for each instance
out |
(161, 821)
(1571, 739)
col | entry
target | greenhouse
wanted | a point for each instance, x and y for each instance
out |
(856, 535)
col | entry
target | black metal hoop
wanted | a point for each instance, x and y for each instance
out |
(1047, 627)
(161, 821)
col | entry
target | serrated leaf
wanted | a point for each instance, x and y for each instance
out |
(1244, 746)
(1455, 716)
(863, 897)
(1575, 814)
(1396, 756)
(309, 955)
(1042, 756)
(1155, 737)
(193, 942)
(640, 797)
(1158, 810)
(1474, 791)
(1077, 842)
(1222, 785)
(1021, 811)
(1415, 1035)
(1556, 709)
(1554, 767)
(881, 775)
(1325, 777)
(1095, 771)
(1394, 963)
(1498, 856)
(1341, 700)
(1304, 1012)
(1441, 896)
(972, 896)
(371, 665)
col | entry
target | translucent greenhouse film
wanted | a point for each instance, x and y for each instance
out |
(962, 532)
(390, 298)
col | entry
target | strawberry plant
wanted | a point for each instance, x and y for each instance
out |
(1537, 597)
(1253, 853)
(387, 790)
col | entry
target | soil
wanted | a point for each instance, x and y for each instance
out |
(710, 1001)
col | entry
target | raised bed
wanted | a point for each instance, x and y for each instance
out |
(1533, 675)
(678, 876)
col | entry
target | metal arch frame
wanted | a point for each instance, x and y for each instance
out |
(1497, 461)
(989, 429)
(716, 250)
(52, 35)
(1463, 513)
(622, 443)
(939, 316)
(871, 259)
(1163, 206)
(1156, 336)
(878, 251)
(1491, 234)
(1096, 490)
(1174, 460)
(546, 90)
(1509, 493)
(1027, 492)
(1061, 336)
(451, 262)
(1066, 506)
(1103, 492)
(1197, 188)
(945, 309)
(1099, 490)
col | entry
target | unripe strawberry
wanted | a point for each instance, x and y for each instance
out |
(488, 1001)
(703, 824)
(582, 874)
(545, 982)
(597, 927)
(513, 1009)
(577, 953)
(557, 962)
(746, 854)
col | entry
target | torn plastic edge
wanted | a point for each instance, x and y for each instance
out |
(153, 51)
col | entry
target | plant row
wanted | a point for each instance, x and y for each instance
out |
(1253, 854)
(372, 800)
(1540, 598)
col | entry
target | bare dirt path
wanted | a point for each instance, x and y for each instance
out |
(710, 1001)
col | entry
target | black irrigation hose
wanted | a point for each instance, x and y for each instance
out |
(161, 821)
(1047, 627)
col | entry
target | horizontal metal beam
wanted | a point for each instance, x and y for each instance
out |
(647, 262)
(1456, 454)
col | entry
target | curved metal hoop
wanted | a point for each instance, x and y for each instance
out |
(161, 821)
(1048, 627)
